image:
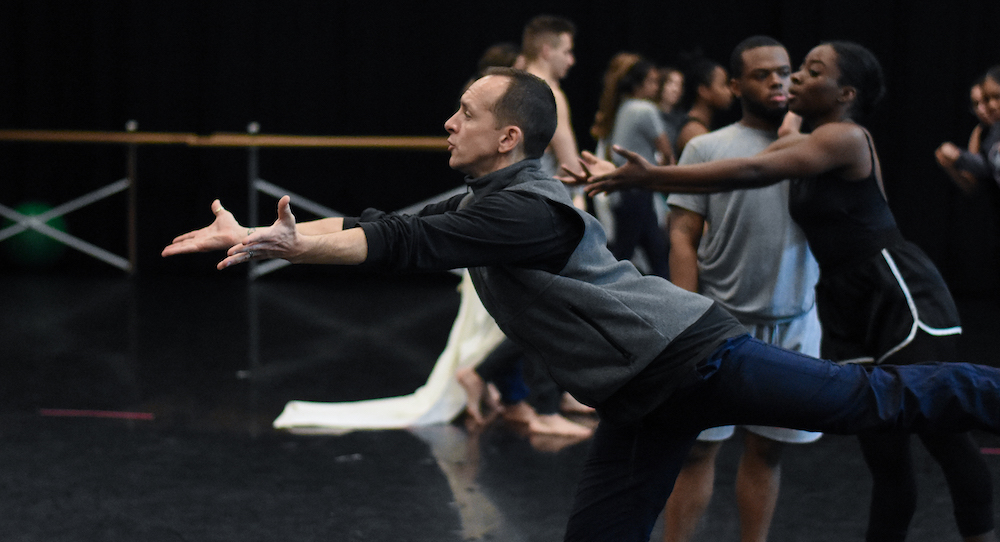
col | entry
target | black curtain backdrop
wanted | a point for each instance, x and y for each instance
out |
(388, 68)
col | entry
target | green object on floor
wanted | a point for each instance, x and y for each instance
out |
(31, 248)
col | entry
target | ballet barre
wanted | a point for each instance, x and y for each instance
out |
(132, 139)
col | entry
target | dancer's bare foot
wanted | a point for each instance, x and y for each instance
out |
(475, 389)
(545, 424)
(570, 405)
(552, 443)
(557, 424)
(520, 413)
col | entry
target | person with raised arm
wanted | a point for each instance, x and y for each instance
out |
(881, 301)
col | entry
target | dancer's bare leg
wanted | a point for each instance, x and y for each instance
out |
(692, 493)
(475, 389)
(493, 399)
(758, 480)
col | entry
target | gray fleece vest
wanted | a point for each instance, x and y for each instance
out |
(598, 322)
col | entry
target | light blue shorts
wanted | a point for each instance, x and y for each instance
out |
(801, 335)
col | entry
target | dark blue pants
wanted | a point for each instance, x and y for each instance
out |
(632, 467)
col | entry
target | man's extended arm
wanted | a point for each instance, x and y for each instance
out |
(509, 227)
(225, 231)
(284, 240)
(321, 226)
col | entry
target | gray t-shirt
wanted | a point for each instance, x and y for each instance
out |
(637, 126)
(753, 259)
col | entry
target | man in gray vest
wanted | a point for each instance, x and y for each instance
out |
(659, 363)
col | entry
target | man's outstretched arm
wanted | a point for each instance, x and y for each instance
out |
(508, 228)
(284, 240)
(318, 241)
(225, 231)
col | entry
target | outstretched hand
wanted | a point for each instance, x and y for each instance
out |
(591, 166)
(280, 240)
(221, 234)
(634, 173)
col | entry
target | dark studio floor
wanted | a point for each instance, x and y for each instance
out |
(200, 366)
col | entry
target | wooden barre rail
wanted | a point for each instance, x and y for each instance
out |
(78, 136)
(418, 143)
(426, 143)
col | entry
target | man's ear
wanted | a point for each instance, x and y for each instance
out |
(546, 51)
(734, 86)
(510, 139)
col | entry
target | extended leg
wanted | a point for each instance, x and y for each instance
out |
(758, 384)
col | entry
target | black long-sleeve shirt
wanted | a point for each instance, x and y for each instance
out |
(508, 227)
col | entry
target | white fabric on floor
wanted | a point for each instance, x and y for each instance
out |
(473, 336)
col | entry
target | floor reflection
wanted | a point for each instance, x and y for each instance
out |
(208, 465)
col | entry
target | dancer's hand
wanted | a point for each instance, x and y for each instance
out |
(221, 234)
(591, 166)
(634, 173)
(280, 240)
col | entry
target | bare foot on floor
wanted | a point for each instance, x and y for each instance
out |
(545, 424)
(557, 424)
(570, 405)
(519, 413)
(552, 443)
